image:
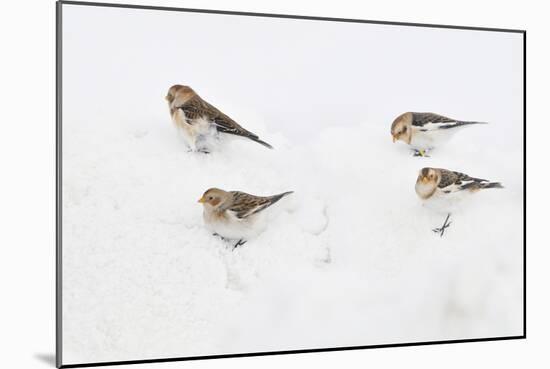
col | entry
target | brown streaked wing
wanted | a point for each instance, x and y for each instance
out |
(198, 108)
(421, 119)
(224, 123)
(465, 178)
(244, 205)
(447, 178)
(195, 109)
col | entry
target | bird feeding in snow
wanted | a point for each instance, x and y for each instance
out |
(439, 183)
(235, 215)
(202, 124)
(426, 131)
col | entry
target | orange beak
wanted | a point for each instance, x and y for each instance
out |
(202, 200)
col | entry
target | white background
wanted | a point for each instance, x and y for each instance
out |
(27, 186)
(330, 269)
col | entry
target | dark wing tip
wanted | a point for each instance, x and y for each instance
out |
(273, 199)
(256, 139)
(461, 122)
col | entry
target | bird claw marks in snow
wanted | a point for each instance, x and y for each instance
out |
(140, 134)
(446, 224)
(312, 216)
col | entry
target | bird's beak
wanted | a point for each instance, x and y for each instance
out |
(424, 179)
(393, 138)
(202, 200)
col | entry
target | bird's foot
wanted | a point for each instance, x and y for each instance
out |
(446, 224)
(422, 153)
(239, 243)
(202, 151)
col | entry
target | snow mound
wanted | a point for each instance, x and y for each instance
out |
(348, 259)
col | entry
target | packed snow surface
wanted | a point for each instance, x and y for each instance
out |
(350, 258)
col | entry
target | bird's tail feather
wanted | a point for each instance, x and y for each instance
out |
(480, 184)
(492, 185)
(465, 123)
(256, 139)
(250, 136)
(276, 198)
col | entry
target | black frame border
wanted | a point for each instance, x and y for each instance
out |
(58, 166)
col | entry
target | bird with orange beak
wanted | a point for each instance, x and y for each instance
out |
(440, 182)
(203, 126)
(236, 215)
(425, 131)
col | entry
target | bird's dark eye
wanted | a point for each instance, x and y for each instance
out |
(404, 129)
(210, 198)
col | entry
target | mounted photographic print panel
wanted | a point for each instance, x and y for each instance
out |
(239, 184)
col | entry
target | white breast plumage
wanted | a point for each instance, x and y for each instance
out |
(424, 190)
(199, 134)
(230, 227)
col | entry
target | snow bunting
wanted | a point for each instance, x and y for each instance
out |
(200, 122)
(233, 215)
(436, 181)
(425, 131)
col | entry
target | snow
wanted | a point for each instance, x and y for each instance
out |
(349, 259)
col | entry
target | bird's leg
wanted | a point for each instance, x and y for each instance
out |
(446, 225)
(201, 144)
(239, 243)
